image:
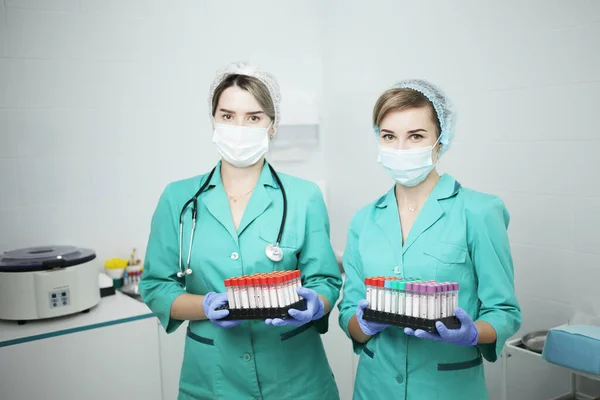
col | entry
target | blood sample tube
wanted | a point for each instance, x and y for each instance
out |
(287, 294)
(408, 297)
(444, 300)
(272, 281)
(380, 294)
(395, 286)
(368, 290)
(423, 300)
(416, 300)
(431, 309)
(229, 290)
(237, 300)
(387, 301)
(292, 286)
(244, 293)
(257, 291)
(401, 297)
(266, 296)
(372, 294)
(297, 282)
(251, 292)
(454, 297)
(280, 290)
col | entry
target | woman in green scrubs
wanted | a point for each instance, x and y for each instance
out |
(427, 226)
(239, 213)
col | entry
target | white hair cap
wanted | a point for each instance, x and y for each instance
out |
(243, 68)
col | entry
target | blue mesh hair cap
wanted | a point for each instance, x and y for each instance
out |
(442, 105)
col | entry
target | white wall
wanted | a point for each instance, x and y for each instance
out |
(104, 102)
(525, 77)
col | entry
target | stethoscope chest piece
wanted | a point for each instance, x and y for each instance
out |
(274, 252)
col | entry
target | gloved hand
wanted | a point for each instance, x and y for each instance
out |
(368, 327)
(315, 309)
(466, 335)
(213, 300)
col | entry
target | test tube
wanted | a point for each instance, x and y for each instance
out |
(437, 301)
(257, 291)
(266, 295)
(287, 281)
(229, 290)
(298, 279)
(454, 297)
(431, 309)
(272, 282)
(291, 286)
(237, 300)
(251, 292)
(423, 300)
(369, 291)
(280, 290)
(287, 294)
(380, 294)
(409, 299)
(444, 300)
(244, 292)
(401, 297)
(416, 300)
(395, 289)
(297, 283)
(387, 301)
(373, 304)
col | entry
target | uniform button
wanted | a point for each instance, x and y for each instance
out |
(247, 357)
(400, 379)
(397, 270)
(235, 256)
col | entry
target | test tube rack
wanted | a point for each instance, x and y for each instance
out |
(261, 313)
(404, 321)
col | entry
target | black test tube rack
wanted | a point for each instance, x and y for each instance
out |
(404, 321)
(261, 313)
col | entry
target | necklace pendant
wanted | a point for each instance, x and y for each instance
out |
(411, 209)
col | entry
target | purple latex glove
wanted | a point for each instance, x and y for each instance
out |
(213, 300)
(466, 335)
(368, 327)
(315, 309)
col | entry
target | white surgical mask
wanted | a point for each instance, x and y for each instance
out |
(241, 146)
(407, 167)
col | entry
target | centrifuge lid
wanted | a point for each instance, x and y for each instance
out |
(44, 258)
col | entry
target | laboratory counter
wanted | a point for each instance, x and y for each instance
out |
(112, 351)
(111, 310)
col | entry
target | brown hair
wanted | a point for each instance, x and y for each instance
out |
(250, 84)
(401, 99)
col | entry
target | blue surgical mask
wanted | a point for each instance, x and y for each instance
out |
(407, 167)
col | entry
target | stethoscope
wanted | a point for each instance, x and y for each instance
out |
(273, 251)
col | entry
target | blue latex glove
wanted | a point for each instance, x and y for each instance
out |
(368, 327)
(466, 335)
(213, 300)
(315, 309)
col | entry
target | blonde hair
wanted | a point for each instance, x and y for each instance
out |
(250, 84)
(401, 99)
